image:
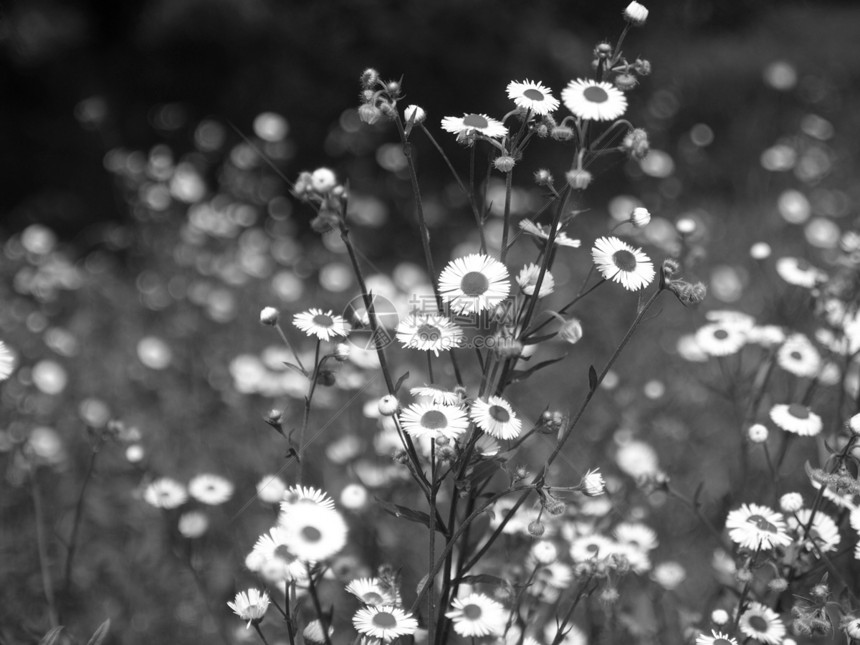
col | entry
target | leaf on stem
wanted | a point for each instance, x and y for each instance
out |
(406, 513)
(402, 378)
(520, 375)
(592, 378)
(100, 634)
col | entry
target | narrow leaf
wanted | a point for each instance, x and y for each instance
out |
(400, 381)
(592, 378)
(533, 340)
(51, 637)
(519, 375)
(406, 513)
(484, 470)
(100, 634)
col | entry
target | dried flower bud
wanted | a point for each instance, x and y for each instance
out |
(561, 133)
(369, 113)
(578, 178)
(269, 316)
(778, 585)
(325, 378)
(636, 14)
(625, 81)
(636, 143)
(388, 405)
(688, 294)
(369, 78)
(642, 67)
(504, 163)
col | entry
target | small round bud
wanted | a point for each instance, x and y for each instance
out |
(504, 163)
(625, 81)
(543, 177)
(757, 433)
(603, 50)
(719, 616)
(636, 14)
(323, 180)
(388, 405)
(536, 528)
(414, 114)
(561, 133)
(778, 585)
(609, 595)
(820, 591)
(369, 113)
(393, 88)
(642, 67)
(791, 502)
(743, 575)
(446, 453)
(555, 507)
(269, 316)
(578, 178)
(671, 266)
(760, 251)
(640, 217)
(341, 352)
(325, 378)
(686, 226)
(369, 78)
(571, 331)
(542, 130)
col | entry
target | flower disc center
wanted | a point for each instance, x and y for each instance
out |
(798, 411)
(594, 94)
(795, 355)
(533, 94)
(474, 283)
(311, 533)
(434, 420)
(624, 260)
(722, 641)
(475, 121)
(384, 620)
(757, 623)
(472, 612)
(323, 320)
(499, 413)
(761, 524)
(371, 598)
(428, 333)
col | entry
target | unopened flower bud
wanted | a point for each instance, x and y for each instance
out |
(369, 113)
(387, 109)
(791, 502)
(636, 14)
(609, 595)
(640, 217)
(642, 67)
(821, 591)
(719, 616)
(536, 528)
(561, 133)
(388, 405)
(778, 585)
(369, 78)
(269, 316)
(273, 418)
(323, 180)
(578, 178)
(743, 575)
(670, 268)
(603, 50)
(325, 378)
(504, 163)
(555, 507)
(571, 331)
(414, 114)
(636, 143)
(757, 433)
(508, 347)
(341, 352)
(625, 81)
(543, 177)
(303, 183)
(325, 221)
(393, 88)
(688, 294)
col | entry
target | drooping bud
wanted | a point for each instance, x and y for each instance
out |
(578, 178)
(269, 316)
(636, 14)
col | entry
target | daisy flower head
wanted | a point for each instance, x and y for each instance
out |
(495, 417)
(762, 623)
(621, 263)
(384, 622)
(474, 283)
(429, 333)
(165, 493)
(527, 279)
(757, 527)
(250, 605)
(325, 325)
(474, 123)
(436, 395)
(298, 495)
(594, 100)
(370, 591)
(210, 489)
(7, 361)
(532, 96)
(432, 420)
(716, 638)
(313, 533)
(271, 558)
(536, 230)
(720, 339)
(477, 615)
(798, 356)
(593, 547)
(824, 531)
(799, 272)
(796, 418)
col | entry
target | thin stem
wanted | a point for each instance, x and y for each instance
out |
(288, 615)
(307, 412)
(312, 588)
(284, 338)
(431, 595)
(260, 632)
(42, 547)
(76, 522)
(507, 215)
(560, 633)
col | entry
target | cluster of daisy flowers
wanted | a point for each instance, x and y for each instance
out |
(206, 488)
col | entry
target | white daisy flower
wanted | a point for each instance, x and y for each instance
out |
(298, 495)
(210, 489)
(762, 623)
(313, 632)
(593, 483)
(720, 339)
(313, 533)
(474, 123)
(429, 333)
(532, 96)
(637, 534)
(757, 527)
(823, 531)
(799, 272)
(323, 325)
(474, 283)
(527, 279)
(477, 615)
(796, 418)
(495, 417)
(165, 493)
(271, 489)
(798, 356)
(370, 591)
(437, 395)
(594, 100)
(272, 560)
(716, 638)
(7, 361)
(561, 239)
(766, 335)
(421, 420)
(621, 263)
(731, 318)
(587, 548)
(384, 622)
(250, 605)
